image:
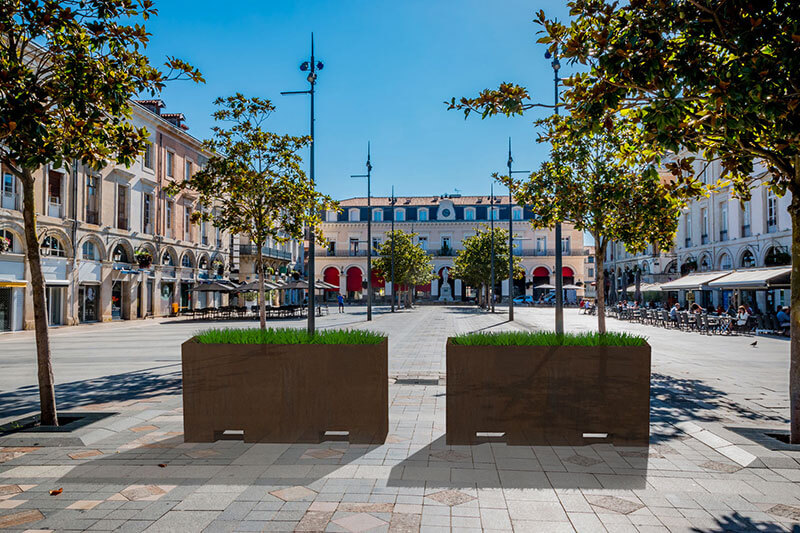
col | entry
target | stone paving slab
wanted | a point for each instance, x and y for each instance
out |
(694, 476)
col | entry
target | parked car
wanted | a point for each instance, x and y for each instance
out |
(527, 299)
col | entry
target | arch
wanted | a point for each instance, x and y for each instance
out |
(126, 247)
(348, 267)
(169, 257)
(645, 266)
(187, 257)
(776, 256)
(747, 259)
(62, 237)
(203, 262)
(725, 260)
(540, 271)
(98, 244)
(567, 272)
(671, 268)
(18, 233)
(706, 263)
(331, 275)
(354, 279)
(688, 265)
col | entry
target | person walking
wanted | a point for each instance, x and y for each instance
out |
(340, 299)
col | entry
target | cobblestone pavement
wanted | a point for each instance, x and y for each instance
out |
(138, 475)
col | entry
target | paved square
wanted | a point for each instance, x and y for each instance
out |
(700, 472)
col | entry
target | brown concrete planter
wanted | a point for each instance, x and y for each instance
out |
(285, 393)
(548, 395)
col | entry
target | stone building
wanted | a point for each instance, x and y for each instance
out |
(442, 223)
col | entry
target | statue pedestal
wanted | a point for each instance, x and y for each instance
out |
(445, 293)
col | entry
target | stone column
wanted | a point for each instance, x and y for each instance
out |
(458, 290)
(434, 287)
(71, 317)
(106, 281)
(343, 284)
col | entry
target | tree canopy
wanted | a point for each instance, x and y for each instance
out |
(473, 263)
(412, 264)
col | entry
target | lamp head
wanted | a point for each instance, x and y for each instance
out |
(547, 55)
(304, 66)
(320, 65)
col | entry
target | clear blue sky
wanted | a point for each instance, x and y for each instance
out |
(389, 66)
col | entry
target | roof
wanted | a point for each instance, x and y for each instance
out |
(692, 281)
(413, 201)
(179, 116)
(156, 102)
(755, 278)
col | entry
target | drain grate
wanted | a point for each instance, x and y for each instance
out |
(416, 381)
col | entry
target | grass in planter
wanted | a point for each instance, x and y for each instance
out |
(547, 338)
(287, 336)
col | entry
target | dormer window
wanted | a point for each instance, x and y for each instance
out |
(494, 213)
(399, 215)
(469, 213)
(422, 214)
(377, 215)
(354, 215)
(330, 216)
(517, 213)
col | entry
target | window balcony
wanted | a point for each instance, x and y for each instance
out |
(704, 238)
(250, 249)
(746, 230)
(772, 225)
(688, 242)
(723, 235)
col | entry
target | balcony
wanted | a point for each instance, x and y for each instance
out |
(772, 225)
(723, 235)
(325, 252)
(92, 217)
(746, 230)
(249, 249)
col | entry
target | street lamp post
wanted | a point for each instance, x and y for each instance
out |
(491, 223)
(312, 67)
(394, 290)
(369, 231)
(511, 235)
(559, 260)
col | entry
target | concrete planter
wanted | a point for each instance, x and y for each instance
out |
(285, 393)
(548, 395)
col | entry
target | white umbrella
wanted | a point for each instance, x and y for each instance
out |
(544, 286)
(571, 287)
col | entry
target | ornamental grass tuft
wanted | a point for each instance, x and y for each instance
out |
(547, 338)
(287, 336)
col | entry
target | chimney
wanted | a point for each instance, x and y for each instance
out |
(154, 106)
(176, 119)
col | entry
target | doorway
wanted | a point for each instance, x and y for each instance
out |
(5, 309)
(55, 305)
(116, 300)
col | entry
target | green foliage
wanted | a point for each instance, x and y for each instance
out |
(547, 338)
(412, 264)
(287, 336)
(69, 72)
(472, 265)
(254, 185)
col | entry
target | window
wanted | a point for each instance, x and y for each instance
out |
(167, 260)
(422, 214)
(772, 211)
(469, 213)
(423, 242)
(377, 215)
(148, 156)
(516, 246)
(748, 260)
(147, 213)
(187, 170)
(170, 164)
(5, 234)
(725, 262)
(541, 245)
(591, 259)
(186, 261)
(52, 246)
(187, 223)
(376, 244)
(10, 199)
(704, 219)
(54, 194)
(353, 245)
(688, 229)
(517, 213)
(723, 221)
(590, 272)
(331, 216)
(494, 213)
(399, 215)
(122, 207)
(203, 230)
(331, 248)
(446, 249)
(354, 215)
(89, 251)
(92, 199)
(565, 248)
(168, 214)
(746, 219)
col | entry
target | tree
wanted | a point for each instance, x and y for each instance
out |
(254, 182)
(603, 183)
(719, 79)
(67, 72)
(412, 264)
(473, 263)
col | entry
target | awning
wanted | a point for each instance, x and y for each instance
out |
(6, 283)
(693, 281)
(58, 282)
(649, 287)
(755, 278)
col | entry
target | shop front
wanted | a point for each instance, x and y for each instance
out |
(89, 281)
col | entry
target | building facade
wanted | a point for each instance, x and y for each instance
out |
(715, 233)
(441, 224)
(97, 230)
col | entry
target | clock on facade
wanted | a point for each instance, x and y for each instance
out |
(445, 212)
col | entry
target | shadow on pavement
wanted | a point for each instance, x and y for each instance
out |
(674, 400)
(737, 522)
(521, 467)
(137, 385)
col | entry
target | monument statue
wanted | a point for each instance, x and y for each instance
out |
(445, 292)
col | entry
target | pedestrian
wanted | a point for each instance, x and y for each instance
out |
(741, 318)
(783, 320)
(340, 299)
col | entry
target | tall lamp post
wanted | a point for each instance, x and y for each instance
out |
(491, 224)
(394, 291)
(511, 235)
(559, 272)
(369, 231)
(311, 66)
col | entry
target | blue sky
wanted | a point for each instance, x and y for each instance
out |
(389, 66)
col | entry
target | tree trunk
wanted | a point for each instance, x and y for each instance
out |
(600, 284)
(47, 393)
(794, 313)
(262, 304)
